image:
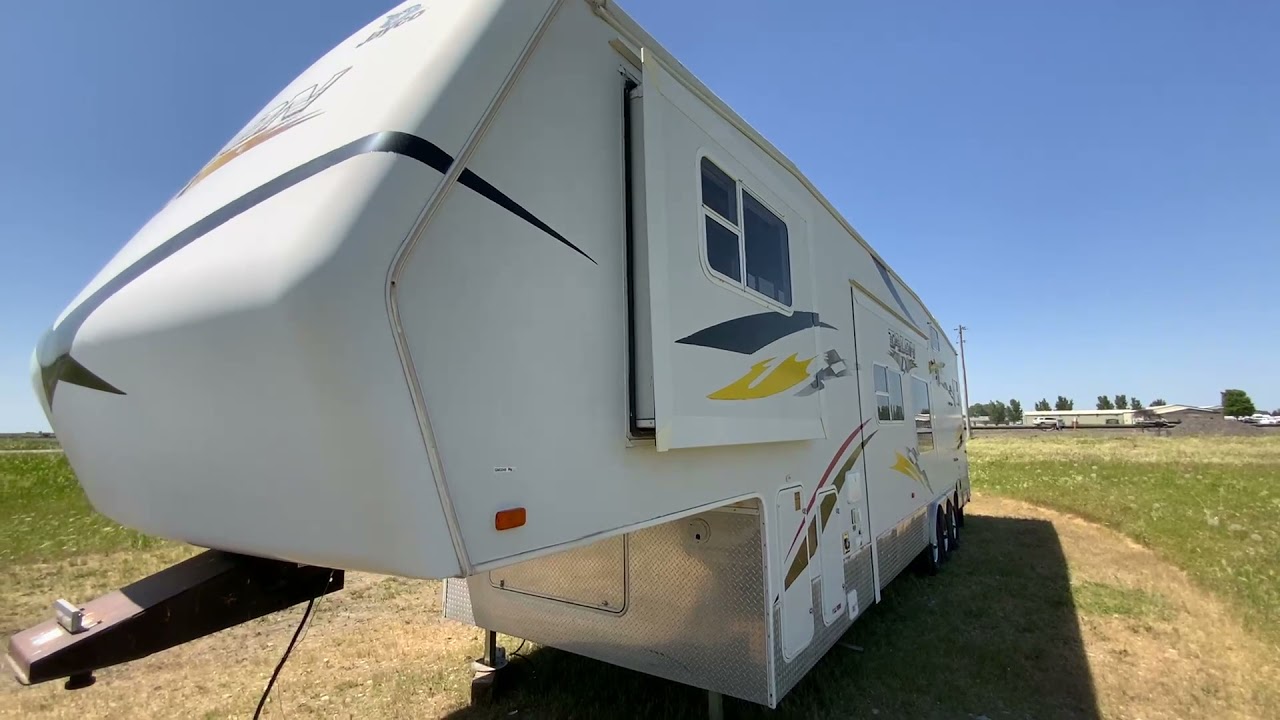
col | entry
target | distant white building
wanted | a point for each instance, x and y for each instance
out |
(1125, 416)
(1081, 417)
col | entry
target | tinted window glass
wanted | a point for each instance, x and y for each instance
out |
(722, 249)
(895, 397)
(920, 399)
(719, 191)
(882, 407)
(768, 252)
(882, 379)
(920, 407)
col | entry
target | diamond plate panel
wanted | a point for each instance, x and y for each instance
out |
(457, 601)
(695, 607)
(898, 547)
(857, 576)
(592, 576)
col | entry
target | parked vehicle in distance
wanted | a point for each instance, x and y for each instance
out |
(1048, 423)
(1270, 420)
(1152, 422)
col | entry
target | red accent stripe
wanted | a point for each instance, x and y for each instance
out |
(825, 476)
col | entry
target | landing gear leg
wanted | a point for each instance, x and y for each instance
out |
(715, 705)
(491, 648)
(485, 681)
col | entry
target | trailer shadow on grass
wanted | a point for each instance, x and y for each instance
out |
(995, 634)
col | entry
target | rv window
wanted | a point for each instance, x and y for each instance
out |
(935, 342)
(888, 394)
(719, 191)
(897, 412)
(722, 249)
(923, 415)
(768, 251)
(746, 242)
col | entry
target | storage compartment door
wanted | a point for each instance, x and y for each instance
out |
(834, 521)
(739, 354)
(796, 598)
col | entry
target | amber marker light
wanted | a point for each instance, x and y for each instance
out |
(509, 519)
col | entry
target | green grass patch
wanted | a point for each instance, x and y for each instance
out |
(45, 516)
(1209, 505)
(1094, 598)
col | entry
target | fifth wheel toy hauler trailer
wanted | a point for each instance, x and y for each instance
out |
(497, 292)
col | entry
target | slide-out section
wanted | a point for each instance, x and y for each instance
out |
(722, 293)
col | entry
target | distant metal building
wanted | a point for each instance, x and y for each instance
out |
(1091, 418)
(1182, 412)
(1082, 417)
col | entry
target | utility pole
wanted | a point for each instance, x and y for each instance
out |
(964, 369)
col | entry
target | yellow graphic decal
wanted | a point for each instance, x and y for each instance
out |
(755, 384)
(904, 466)
(909, 465)
(243, 147)
(272, 122)
(798, 565)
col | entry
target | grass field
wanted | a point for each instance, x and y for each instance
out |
(28, 443)
(44, 516)
(1039, 614)
(1209, 505)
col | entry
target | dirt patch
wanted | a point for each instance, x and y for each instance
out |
(1157, 645)
(1215, 427)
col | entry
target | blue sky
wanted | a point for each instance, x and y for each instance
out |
(1093, 188)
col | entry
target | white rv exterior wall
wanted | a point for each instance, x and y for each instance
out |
(271, 407)
(265, 409)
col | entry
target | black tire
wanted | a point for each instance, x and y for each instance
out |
(930, 560)
(953, 527)
(943, 529)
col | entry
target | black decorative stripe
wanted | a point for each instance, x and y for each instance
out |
(893, 290)
(55, 346)
(749, 333)
(67, 369)
(494, 195)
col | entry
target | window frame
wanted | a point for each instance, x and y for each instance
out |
(739, 229)
(890, 374)
(928, 396)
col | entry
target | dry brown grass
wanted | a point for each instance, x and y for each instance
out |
(1154, 645)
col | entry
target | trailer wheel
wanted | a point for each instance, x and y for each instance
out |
(944, 530)
(929, 561)
(953, 527)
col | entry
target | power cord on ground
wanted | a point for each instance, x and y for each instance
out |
(298, 634)
(262, 702)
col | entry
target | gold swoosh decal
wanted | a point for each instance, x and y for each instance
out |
(789, 373)
(904, 466)
(243, 147)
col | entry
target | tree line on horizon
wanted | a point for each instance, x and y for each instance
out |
(1235, 403)
(1001, 413)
